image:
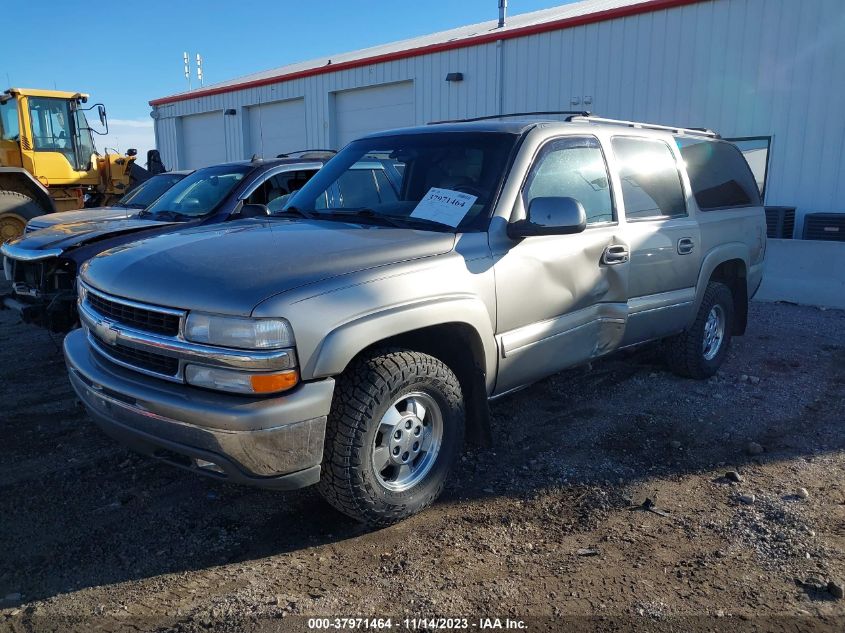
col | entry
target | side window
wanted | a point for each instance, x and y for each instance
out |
(386, 191)
(260, 193)
(651, 183)
(719, 174)
(282, 187)
(572, 168)
(9, 126)
(50, 124)
(364, 188)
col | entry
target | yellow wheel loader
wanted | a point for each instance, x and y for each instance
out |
(48, 161)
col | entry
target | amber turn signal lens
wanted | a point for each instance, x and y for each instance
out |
(271, 383)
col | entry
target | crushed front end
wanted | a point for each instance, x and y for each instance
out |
(43, 287)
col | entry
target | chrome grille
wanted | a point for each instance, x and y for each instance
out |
(136, 358)
(147, 320)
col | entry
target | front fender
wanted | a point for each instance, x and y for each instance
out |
(343, 343)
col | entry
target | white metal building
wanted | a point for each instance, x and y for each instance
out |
(773, 69)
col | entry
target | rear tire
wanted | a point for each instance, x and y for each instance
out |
(701, 350)
(394, 432)
(16, 210)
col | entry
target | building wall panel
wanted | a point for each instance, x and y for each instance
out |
(742, 67)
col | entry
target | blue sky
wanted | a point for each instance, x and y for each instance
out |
(126, 53)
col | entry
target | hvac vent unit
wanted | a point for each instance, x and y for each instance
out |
(824, 226)
(780, 222)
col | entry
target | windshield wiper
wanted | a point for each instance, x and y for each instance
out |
(173, 216)
(360, 214)
(295, 211)
(399, 221)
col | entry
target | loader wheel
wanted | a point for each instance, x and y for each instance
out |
(700, 351)
(395, 430)
(16, 210)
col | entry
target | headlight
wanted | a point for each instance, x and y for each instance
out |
(238, 332)
(240, 381)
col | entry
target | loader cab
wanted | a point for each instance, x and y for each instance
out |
(57, 126)
(46, 132)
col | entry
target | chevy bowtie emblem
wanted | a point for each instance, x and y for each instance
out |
(108, 333)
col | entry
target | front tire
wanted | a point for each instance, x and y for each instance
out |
(701, 350)
(16, 210)
(394, 432)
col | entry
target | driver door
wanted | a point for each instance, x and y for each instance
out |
(562, 299)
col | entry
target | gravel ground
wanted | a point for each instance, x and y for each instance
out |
(609, 502)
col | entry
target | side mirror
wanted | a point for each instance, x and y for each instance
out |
(132, 152)
(101, 110)
(550, 216)
(254, 211)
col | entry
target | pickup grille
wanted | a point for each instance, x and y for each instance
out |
(147, 320)
(140, 359)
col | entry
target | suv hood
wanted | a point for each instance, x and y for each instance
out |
(83, 215)
(231, 268)
(66, 236)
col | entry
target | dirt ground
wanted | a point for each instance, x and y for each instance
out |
(548, 526)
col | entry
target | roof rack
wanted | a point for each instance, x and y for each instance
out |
(690, 131)
(571, 113)
(307, 151)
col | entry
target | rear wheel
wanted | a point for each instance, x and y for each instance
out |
(16, 210)
(394, 432)
(701, 350)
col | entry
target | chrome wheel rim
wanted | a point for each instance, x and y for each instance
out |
(714, 332)
(407, 441)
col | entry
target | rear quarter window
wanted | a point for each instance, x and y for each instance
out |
(719, 174)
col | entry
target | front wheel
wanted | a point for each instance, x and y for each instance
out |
(701, 350)
(16, 210)
(395, 430)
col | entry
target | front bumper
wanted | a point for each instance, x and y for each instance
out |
(272, 443)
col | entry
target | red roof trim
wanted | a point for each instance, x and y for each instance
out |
(556, 25)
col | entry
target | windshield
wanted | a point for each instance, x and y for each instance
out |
(149, 191)
(198, 194)
(51, 130)
(442, 180)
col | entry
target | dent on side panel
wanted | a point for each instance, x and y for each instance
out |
(538, 350)
(557, 304)
(543, 278)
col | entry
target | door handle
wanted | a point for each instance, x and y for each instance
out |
(615, 254)
(685, 246)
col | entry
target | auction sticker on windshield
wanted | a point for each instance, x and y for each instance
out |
(444, 206)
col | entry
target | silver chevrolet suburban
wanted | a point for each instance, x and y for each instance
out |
(353, 340)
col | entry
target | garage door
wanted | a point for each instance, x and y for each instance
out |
(275, 128)
(365, 110)
(203, 142)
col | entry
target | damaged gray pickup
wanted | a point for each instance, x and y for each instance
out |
(353, 339)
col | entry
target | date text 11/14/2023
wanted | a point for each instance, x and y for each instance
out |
(417, 624)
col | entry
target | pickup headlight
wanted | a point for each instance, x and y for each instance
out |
(238, 332)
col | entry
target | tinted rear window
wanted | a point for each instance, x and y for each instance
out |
(719, 175)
